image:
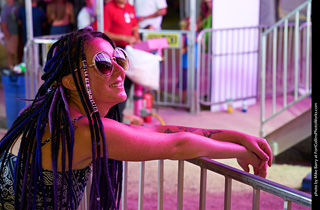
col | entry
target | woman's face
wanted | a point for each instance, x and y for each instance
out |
(105, 90)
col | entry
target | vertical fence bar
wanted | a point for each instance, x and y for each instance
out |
(37, 66)
(285, 62)
(141, 185)
(287, 205)
(100, 15)
(227, 193)
(173, 76)
(180, 74)
(263, 83)
(180, 184)
(274, 69)
(28, 68)
(269, 62)
(256, 199)
(212, 40)
(203, 188)
(308, 47)
(296, 55)
(279, 56)
(160, 184)
(199, 74)
(124, 186)
(30, 75)
(291, 55)
(165, 94)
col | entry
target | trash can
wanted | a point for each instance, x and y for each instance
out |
(14, 89)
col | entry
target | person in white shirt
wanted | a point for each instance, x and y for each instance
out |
(86, 15)
(150, 13)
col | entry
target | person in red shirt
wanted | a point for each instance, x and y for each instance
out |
(120, 23)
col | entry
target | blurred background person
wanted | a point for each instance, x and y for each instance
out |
(150, 13)
(9, 27)
(39, 20)
(185, 25)
(120, 24)
(205, 16)
(60, 16)
(86, 16)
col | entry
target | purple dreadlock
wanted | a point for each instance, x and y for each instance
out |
(50, 108)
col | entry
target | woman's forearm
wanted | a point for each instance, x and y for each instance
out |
(217, 134)
(256, 145)
(191, 146)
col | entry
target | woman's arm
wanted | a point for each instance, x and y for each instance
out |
(136, 143)
(255, 144)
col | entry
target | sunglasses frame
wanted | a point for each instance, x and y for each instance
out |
(111, 58)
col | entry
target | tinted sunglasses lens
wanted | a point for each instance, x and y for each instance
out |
(103, 63)
(121, 58)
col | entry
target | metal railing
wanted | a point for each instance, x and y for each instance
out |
(229, 63)
(294, 61)
(171, 72)
(258, 184)
(227, 67)
(289, 195)
(35, 53)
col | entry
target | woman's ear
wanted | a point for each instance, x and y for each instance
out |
(68, 82)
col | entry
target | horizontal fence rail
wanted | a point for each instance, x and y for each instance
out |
(257, 183)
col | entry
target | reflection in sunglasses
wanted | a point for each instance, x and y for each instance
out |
(103, 62)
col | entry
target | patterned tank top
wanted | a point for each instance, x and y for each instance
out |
(79, 180)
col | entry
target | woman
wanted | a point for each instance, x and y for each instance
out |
(86, 16)
(54, 143)
(60, 16)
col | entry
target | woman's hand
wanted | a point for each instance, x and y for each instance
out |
(258, 146)
(259, 165)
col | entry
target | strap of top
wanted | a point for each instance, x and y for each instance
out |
(49, 139)
(78, 118)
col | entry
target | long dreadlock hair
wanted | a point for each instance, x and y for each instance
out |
(50, 108)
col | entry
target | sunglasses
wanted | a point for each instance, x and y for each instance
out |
(102, 62)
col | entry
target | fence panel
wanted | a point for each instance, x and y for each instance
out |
(285, 63)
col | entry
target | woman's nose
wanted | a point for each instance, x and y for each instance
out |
(117, 68)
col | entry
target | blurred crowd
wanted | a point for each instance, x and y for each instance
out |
(51, 17)
(122, 19)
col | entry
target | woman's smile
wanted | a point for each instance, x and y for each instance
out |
(116, 84)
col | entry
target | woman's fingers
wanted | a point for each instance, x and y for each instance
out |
(259, 166)
(260, 147)
(244, 165)
(262, 172)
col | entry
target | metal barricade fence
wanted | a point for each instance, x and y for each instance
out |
(171, 69)
(258, 184)
(35, 53)
(227, 66)
(229, 63)
(286, 63)
(288, 195)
